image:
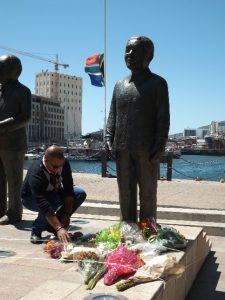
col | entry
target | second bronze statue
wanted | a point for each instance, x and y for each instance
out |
(137, 130)
(15, 112)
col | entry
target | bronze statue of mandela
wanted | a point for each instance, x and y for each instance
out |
(137, 130)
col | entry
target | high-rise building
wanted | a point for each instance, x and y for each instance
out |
(67, 90)
(47, 121)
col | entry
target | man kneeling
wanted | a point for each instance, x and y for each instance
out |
(48, 189)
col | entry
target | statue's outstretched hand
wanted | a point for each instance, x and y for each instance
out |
(108, 146)
(109, 149)
(155, 156)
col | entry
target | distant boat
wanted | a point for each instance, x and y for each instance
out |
(175, 152)
(32, 156)
(215, 141)
(72, 157)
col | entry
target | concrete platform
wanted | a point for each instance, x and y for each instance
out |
(31, 274)
(180, 202)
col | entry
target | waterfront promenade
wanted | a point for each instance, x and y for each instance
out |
(175, 193)
(30, 275)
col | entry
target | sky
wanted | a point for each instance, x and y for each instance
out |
(189, 49)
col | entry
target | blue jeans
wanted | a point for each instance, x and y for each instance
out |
(56, 200)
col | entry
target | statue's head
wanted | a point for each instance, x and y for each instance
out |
(139, 53)
(10, 68)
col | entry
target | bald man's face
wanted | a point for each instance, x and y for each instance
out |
(54, 164)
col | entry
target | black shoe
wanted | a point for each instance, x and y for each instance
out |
(50, 229)
(6, 220)
(36, 238)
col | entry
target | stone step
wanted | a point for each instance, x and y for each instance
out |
(174, 213)
(211, 228)
(212, 221)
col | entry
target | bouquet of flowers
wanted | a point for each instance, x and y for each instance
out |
(169, 237)
(130, 233)
(148, 227)
(54, 248)
(158, 267)
(89, 264)
(109, 237)
(70, 252)
(121, 262)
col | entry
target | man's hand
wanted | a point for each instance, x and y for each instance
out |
(63, 235)
(65, 221)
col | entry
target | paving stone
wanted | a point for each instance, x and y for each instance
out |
(51, 290)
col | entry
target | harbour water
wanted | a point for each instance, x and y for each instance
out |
(210, 168)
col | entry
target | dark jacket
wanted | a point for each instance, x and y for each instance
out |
(37, 183)
(139, 114)
(15, 102)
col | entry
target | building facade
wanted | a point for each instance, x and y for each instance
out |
(68, 91)
(189, 132)
(47, 121)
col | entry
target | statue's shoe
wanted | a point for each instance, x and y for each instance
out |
(6, 220)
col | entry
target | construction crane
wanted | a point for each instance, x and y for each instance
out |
(56, 62)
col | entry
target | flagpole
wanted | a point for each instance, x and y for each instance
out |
(104, 129)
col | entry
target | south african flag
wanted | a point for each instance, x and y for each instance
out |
(94, 66)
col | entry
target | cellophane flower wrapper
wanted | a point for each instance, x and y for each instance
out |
(148, 249)
(89, 263)
(131, 234)
(121, 262)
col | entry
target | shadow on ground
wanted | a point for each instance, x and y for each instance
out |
(24, 225)
(205, 285)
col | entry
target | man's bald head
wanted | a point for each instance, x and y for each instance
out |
(54, 151)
